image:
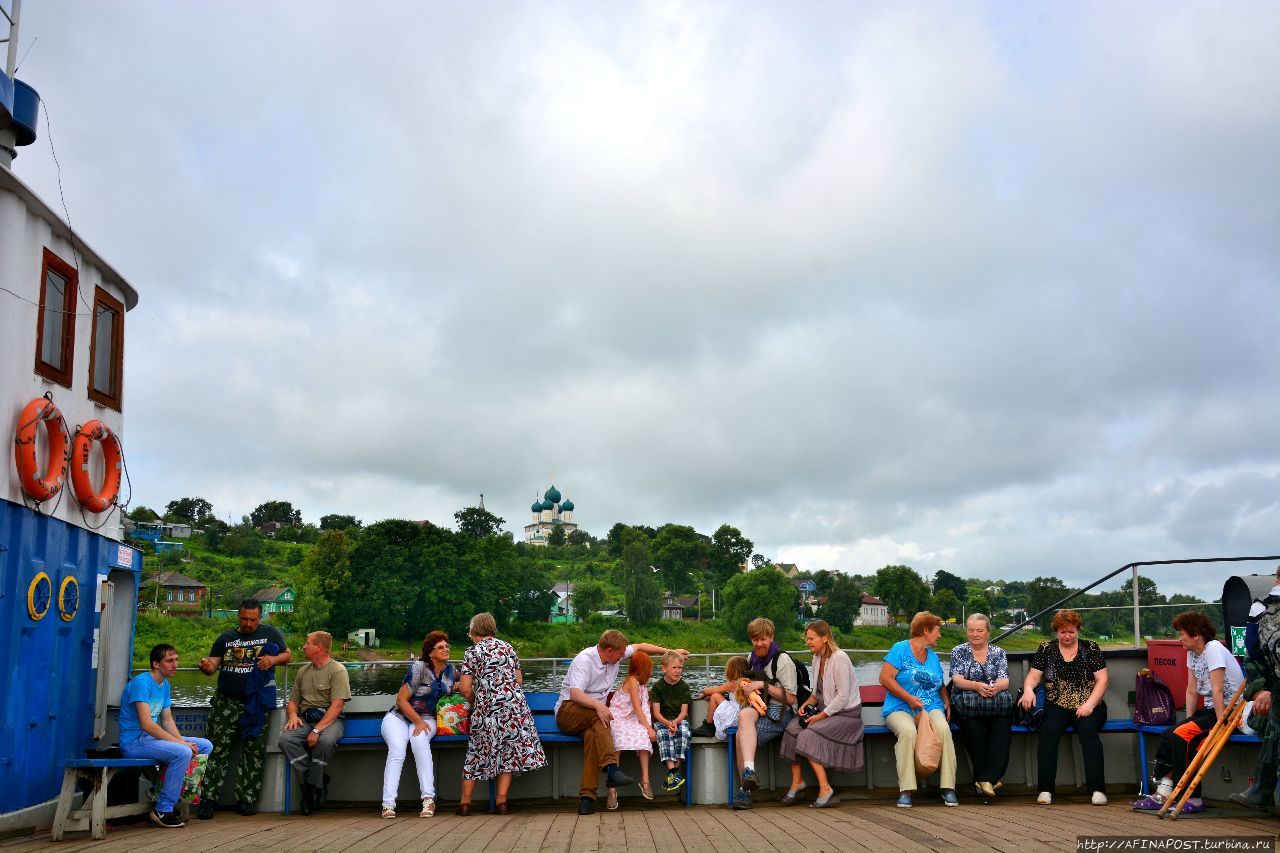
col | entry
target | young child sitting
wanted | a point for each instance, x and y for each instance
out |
(631, 726)
(669, 702)
(734, 669)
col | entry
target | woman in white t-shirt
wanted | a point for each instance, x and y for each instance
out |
(1214, 674)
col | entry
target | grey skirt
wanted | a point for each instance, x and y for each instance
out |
(835, 743)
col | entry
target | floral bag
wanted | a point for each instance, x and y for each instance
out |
(192, 782)
(453, 715)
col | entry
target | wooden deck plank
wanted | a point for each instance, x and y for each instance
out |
(1008, 825)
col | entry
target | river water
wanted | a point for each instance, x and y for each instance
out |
(191, 688)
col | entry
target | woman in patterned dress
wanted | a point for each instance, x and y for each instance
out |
(1074, 675)
(631, 725)
(503, 739)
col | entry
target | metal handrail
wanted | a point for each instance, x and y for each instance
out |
(1137, 633)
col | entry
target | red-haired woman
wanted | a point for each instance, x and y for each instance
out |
(1074, 675)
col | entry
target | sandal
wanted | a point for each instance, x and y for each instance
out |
(646, 791)
(793, 796)
(388, 813)
(612, 802)
(826, 802)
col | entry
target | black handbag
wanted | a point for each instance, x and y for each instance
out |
(1029, 719)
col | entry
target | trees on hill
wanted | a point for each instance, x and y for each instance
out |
(193, 511)
(281, 511)
(760, 592)
(477, 522)
(639, 589)
(335, 521)
(844, 602)
(902, 589)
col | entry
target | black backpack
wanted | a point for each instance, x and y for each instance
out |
(802, 678)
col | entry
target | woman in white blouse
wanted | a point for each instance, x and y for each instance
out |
(828, 731)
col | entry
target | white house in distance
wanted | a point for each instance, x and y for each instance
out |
(874, 612)
(548, 514)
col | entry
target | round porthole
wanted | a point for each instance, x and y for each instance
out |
(39, 595)
(68, 598)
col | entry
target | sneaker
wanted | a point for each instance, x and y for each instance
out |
(168, 820)
(1045, 798)
(1149, 803)
(616, 778)
(611, 803)
(749, 781)
(704, 730)
(1099, 798)
(205, 812)
(677, 782)
(904, 800)
(586, 805)
(247, 808)
(428, 807)
(742, 800)
(949, 798)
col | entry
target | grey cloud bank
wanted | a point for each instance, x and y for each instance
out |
(988, 288)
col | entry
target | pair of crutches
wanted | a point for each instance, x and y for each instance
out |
(1213, 743)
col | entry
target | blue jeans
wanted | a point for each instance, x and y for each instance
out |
(174, 758)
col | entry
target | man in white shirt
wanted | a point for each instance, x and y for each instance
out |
(582, 709)
(1215, 675)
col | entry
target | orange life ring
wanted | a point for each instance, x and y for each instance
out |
(80, 482)
(41, 487)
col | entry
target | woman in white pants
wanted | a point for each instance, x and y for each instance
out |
(412, 722)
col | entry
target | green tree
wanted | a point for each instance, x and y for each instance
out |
(943, 579)
(477, 522)
(759, 561)
(1041, 593)
(759, 592)
(589, 597)
(281, 511)
(729, 550)
(643, 599)
(680, 554)
(945, 604)
(978, 603)
(334, 521)
(322, 577)
(901, 589)
(193, 511)
(556, 538)
(844, 602)
(142, 513)
(579, 538)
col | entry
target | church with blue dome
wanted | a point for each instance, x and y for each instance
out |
(549, 512)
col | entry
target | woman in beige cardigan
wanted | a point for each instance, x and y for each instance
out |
(828, 731)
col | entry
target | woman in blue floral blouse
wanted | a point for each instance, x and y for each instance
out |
(980, 697)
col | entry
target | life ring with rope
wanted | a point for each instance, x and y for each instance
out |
(40, 486)
(81, 483)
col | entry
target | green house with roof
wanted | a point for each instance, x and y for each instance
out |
(277, 599)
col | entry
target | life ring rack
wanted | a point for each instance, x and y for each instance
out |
(86, 436)
(38, 485)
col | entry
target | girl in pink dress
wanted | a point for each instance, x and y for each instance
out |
(632, 727)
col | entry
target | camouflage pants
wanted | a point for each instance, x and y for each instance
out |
(224, 718)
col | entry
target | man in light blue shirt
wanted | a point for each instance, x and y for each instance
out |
(147, 730)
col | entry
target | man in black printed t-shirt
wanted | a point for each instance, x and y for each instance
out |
(236, 655)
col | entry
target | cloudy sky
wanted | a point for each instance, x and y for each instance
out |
(993, 288)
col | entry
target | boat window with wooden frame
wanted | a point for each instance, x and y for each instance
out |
(56, 321)
(106, 350)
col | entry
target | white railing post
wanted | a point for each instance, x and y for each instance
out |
(1137, 633)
